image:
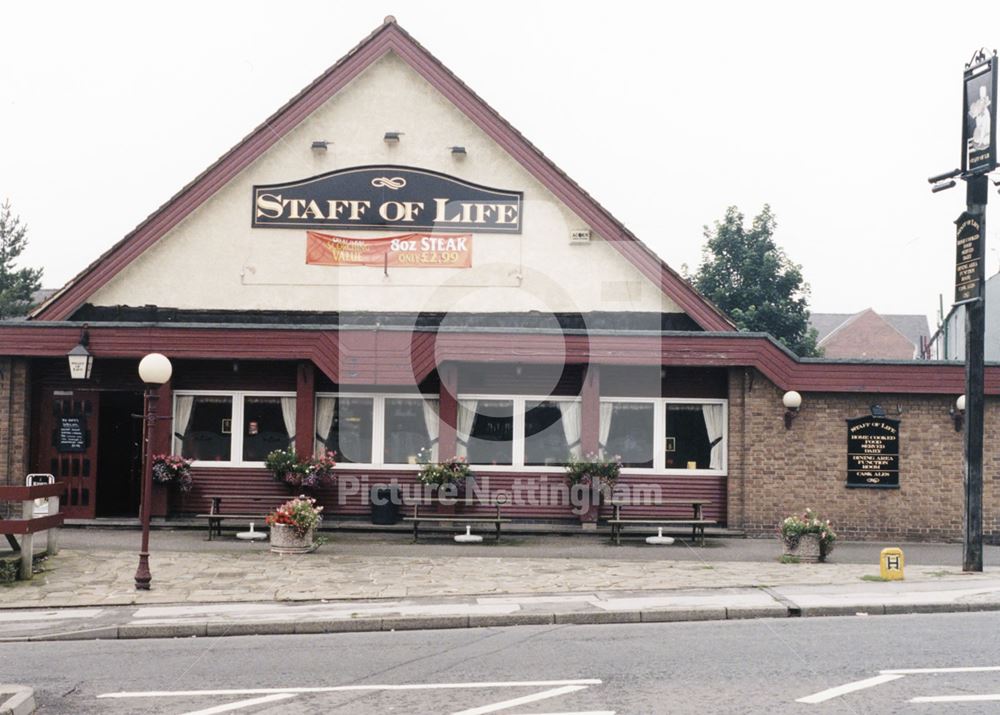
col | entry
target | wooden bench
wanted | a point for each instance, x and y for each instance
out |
(216, 515)
(29, 525)
(697, 524)
(465, 519)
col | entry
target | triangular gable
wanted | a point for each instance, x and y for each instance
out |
(388, 37)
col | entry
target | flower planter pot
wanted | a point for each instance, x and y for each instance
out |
(806, 550)
(284, 540)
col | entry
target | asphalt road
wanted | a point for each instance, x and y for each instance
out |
(726, 667)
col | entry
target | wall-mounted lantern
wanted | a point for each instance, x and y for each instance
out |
(958, 413)
(81, 362)
(792, 402)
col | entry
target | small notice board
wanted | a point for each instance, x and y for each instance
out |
(72, 435)
(873, 453)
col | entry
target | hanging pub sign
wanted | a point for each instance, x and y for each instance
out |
(873, 452)
(979, 127)
(968, 258)
(387, 197)
(411, 250)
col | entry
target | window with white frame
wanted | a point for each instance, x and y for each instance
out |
(378, 430)
(232, 428)
(518, 431)
(686, 434)
(626, 431)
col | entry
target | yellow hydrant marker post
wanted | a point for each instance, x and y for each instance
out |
(891, 564)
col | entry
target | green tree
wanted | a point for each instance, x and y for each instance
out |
(746, 274)
(16, 285)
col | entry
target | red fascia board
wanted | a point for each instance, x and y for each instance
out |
(404, 355)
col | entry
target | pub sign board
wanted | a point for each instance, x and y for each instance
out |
(968, 258)
(376, 198)
(979, 114)
(873, 453)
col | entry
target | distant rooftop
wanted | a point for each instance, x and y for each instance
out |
(912, 326)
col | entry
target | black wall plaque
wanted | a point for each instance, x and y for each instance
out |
(72, 434)
(968, 257)
(873, 452)
(387, 196)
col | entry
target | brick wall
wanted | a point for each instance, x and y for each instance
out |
(781, 471)
(14, 425)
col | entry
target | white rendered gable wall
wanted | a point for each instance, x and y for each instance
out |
(215, 260)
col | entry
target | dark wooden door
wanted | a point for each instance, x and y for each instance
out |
(67, 448)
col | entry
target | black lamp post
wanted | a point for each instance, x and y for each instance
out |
(154, 370)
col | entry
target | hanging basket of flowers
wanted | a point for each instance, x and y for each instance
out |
(173, 470)
(309, 474)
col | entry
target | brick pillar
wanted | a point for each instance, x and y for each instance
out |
(163, 443)
(447, 411)
(163, 430)
(305, 409)
(14, 425)
(736, 483)
(590, 411)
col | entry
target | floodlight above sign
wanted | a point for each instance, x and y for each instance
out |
(387, 196)
(979, 113)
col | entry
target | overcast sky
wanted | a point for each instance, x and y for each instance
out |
(666, 114)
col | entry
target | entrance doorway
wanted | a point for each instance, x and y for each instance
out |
(119, 454)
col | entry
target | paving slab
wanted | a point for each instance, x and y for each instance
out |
(222, 588)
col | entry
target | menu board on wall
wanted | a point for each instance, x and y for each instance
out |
(72, 434)
(873, 453)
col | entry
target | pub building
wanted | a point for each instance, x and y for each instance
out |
(386, 266)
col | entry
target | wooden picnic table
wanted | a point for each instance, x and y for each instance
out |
(442, 519)
(698, 522)
(216, 515)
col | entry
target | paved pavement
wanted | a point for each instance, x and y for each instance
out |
(384, 582)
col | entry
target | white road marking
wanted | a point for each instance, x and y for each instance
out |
(56, 615)
(918, 671)
(239, 705)
(956, 698)
(534, 697)
(830, 693)
(348, 688)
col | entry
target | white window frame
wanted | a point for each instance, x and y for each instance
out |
(378, 424)
(660, 433)
(236, 437)
(518, 444)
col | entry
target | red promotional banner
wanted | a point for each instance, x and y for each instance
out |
(410, 250)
